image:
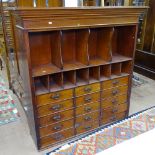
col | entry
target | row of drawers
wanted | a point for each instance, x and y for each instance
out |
(108, 104)
(108, 95)
(80, 91)
(67, 130)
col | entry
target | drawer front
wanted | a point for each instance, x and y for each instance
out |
(87, 89)
(112, 110)
(87, 108)
(56, 127)
(113, 118)
(54, 97)
(56, 137)
(54, 118)
(87, 99)
(87, 127)
(114, 92)
(112, 102)
(115, 82)
(87, 118)
(54, 107)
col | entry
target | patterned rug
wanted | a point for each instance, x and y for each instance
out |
(110, 136)
(8, 111)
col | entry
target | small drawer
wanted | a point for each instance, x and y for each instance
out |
(90, 98)
(108, 93)
(112, 110)
(87, 89)
(113, 118)
(54, 118)
(112, 102)
(87, 108)
(88, 117)
(56, 127)
(54, 97)
(56, 137)
(54, 107)
(86, 127)
(115, 82)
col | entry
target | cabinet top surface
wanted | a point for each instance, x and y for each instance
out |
(67, 17)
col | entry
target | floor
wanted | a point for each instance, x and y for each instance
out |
(16, 140)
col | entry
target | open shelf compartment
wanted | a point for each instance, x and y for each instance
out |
(99, 45)
(126, 67)
(115, 70)
(94, 74)
(82, 77)
(123, 43)
(41, 85)
(69, 79)
(105, 72)
(55, 82)
(74, 49)
(45, 53)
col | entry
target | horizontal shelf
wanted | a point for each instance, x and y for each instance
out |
(119, 58)
(97, 62)
(44, 70)
(74, 65)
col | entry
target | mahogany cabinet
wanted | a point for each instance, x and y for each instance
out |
(76, 64)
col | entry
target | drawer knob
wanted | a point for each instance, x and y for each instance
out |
(56, 118)
(87, 109)
(58, 136)
(115, 110)
(59, 127)
(113, 118)
(114, 101)
(88, 89)
(88, 127)
(115, 82)
(87, 118)
(55, 96)
(115, 92)
(88, 99)
(56, 107)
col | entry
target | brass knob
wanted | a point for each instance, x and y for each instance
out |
(87, 109)
(115, 110)
(56, 96)
(88, 127)
(113, 118)
(56, 118)
(115, 82)
(58, 136)
(59, 127)
(115, 92)
(88, 99)
(87, 118)
(88, 89)
(114, 101)
(56, 107)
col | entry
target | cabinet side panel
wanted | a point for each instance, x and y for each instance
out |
(27, 102)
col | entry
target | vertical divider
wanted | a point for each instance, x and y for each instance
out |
(55, 3)
(56, 48)
(40, 3)
(104, 39)
(82, 46)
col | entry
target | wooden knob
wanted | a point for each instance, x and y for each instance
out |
(88, 118)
